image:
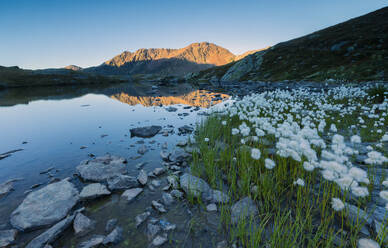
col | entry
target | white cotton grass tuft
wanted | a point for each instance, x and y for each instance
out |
(360, 191)
(235, 131)
(206, 139)
(299, 182)
(308, 166)
(223, 123)
(337, 204)
(333, 128)
(367, 243)
(269, 164)
(385, 183)
(255, 153)
(375, 157)
(355, 139)
(384, 194)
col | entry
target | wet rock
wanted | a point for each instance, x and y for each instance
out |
(131, 194)
(141, 218)
(93, 191)
(110, 225)
(182, 143)
(94, 241)
(142, 149)
(145, 132)
(5, 188)
(173, 181)
(222, 244)
(164, 154)
(140, 165)
(7, 237)
(51, 234)
(155, 183)
(142, 178)
(179, 156)
(114, 237)
(171, 109)
(158, 171)
(176, 193)
(45, 206)
(152, 230)
(243, 209)
(165, 146)
(185, 129)
(122, 182)
(36, 185)
(167, 226)
(82, 224)
(211, 207)
(158, 206)
(102, 168)
(194, 185)
(159, 240)
(219, 197)
(167, 199)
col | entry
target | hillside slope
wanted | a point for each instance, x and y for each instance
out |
(355, 50)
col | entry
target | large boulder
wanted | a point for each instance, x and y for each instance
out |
(102, 168)
(45, 206)
(195, 186)
(145, 132)
(243, 209)
(51, 234)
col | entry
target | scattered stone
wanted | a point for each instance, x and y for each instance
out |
(114, 237)
(82, 224)
(173, 181)
(167, 199)
(178, 156)
(51, 234)
(176, 193)
(120, 182)
(140, 165)
(47, 170)
(158, 206)
(194, 185)
(141, 218)
(243, 209)
(152, 230)
(142, 149)
(83, 147)
(102, 168)
(167, 226)
(182, 143)
(145, 132)
(185, 129)
(93, 191)
(171, 109)
(94, 241)
(110, 225)
(159, 240)
(222, 244)
(219, 197)
(367, 243)
(45, 206)
(158, 171)
(6, 188)
(7, 237)
(155, 183)
(142, 177)
(165, 146)
(131, 194)
(211, 207)
(164, 154)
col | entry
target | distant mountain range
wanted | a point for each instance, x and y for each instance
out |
(165, 61)
(355, 50)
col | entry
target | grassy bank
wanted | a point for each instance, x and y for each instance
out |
(302, 157)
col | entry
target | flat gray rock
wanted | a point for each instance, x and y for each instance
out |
(122, 182)
(194, 185)
(211, 207)
(45, 206)
(243, 209)
(142, 178)
(51, 234)
(114, 237)
(93, 191)
(179, 156)
(102, 168)
(145, 132)
(82, 224)
(94, 241)
(141, 218)
(7, 237)
(219, 197)
(131, 194)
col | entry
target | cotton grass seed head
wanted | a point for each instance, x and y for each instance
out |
(299, 182)
(269, 163)
(337, 204)
(384, 194)
(255, 153)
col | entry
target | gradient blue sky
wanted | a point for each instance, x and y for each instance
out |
(50, 33)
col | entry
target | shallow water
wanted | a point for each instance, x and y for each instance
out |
(51, 125)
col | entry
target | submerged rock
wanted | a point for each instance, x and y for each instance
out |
(94, 241)
(102, 168)
(110, 225)
(158, 206)
(122, 182)
(82, 224)
(93, 191)
(194, 185)
(45, 206)
(5, 188)
(131, 194)
(141, 218)
(167, 199)
(243, 209)
(51, 234)
(152, 230)
(7, 237)
(145, 132)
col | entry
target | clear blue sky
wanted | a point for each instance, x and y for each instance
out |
(52, 33)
